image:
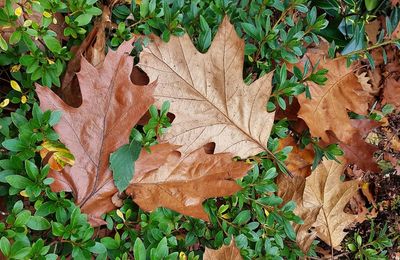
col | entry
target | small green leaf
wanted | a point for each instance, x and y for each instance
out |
(38, 223)
(18, 181)
(3, 44)
(83, 19)
(242, 218)
(5, 246)
(122, 163)
(52, 43)
(139, 251)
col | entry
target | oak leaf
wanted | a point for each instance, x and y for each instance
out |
(111, 106)
(325, 189)
(207, 93)
(327, 108)
(185, 181)
(230, 252)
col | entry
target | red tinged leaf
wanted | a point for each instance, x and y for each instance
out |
(111, 106)
(185, 181)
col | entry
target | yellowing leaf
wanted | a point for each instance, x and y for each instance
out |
(120, 214)
(15, 85)
(15, 68)
(46, 14)
(18, 11)
(210, 101)
(24, 99)
(23, 193)
(4, 103)
(60, 155)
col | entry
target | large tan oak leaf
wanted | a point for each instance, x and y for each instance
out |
(185, 181)
(327, 108)
(324, 189)
(230, 252)
(111, 106)
(207, 94)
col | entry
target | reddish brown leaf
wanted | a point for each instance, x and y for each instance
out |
(327, 109)
(184, 182)
(299, 161)
(391, 93)
(230, 252)
(111, 106)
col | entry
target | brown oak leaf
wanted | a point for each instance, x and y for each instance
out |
(111, 106)
(391, 93)
(327, 108)
(325, 189)
(207, 93)
(184, 182)
(230, 252)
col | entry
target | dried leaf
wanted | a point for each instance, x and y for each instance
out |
(299, 161)
(184, 182)
(207, 94)
(93, 49)
(230, 252)
(293, 189)
(391, 93)
(325, 189)
(111, 106)
(60, 156)
(327, 109)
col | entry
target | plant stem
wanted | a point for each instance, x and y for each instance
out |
(365, 50)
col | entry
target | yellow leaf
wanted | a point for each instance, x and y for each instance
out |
(120, 214)
(15, 68)
(182, 256)
(55, 20)
(18, 11)
(15, 85)
(50, 61)
(4, 103)
(266, 212)
(46, 14)
(24, 99)
(27, 23)
(23, 193)
(138, 2)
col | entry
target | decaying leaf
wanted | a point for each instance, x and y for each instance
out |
(60, 156)
(230, 252)
(327, 109)
(111, 106)
(325, 189)
(185, 181)
(207, 94)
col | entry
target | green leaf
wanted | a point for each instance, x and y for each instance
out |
(38, 223)
(98, 248)
(109, 243)
(139, 250)
(52, 43)
(22, 218)
(3, 44)
(54, 117)
(31, 170)
(14, 145)
(18, 181)
(242, 218)
(15, 37)
(122, 163)
(5, 246)
(83, 19)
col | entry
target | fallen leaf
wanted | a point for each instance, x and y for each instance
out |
(230, 252)
(325, 189)
(394, 2)
(185, 181)
(92, 49)
(327, 108)
(299, 161)
(207, 94)
(391, 93)
(293, 189)
(111, 106)
(372, 30)
(368, 87)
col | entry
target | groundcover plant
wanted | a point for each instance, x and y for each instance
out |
(216, 129)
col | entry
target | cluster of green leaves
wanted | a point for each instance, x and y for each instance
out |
(375, 247)
(347, 26)
(34, 50)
